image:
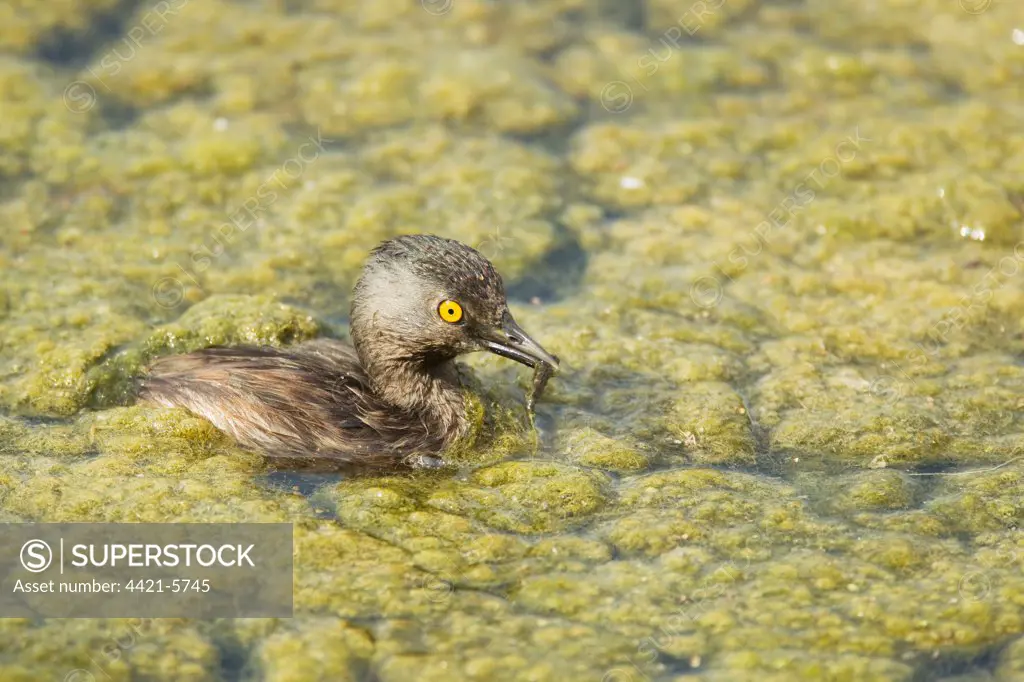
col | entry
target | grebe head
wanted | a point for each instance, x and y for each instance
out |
(428, 299)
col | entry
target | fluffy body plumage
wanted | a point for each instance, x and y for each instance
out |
(394, 396)
(312, 400)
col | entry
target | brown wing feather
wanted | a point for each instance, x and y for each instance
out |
(310, 400)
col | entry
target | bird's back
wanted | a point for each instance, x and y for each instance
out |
(312, 400)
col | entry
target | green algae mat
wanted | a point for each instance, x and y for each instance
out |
(779, 247)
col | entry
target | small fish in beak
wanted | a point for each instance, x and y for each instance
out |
(510, 341)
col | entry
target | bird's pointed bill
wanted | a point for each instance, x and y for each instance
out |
(510, 341)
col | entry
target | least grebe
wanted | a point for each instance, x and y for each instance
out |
(395, 395)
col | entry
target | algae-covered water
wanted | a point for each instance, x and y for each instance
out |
(778, 246)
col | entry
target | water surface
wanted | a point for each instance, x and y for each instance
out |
(777, 244)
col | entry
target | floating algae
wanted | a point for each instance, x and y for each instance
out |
(751, 251)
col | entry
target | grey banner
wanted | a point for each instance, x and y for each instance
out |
(146, 570)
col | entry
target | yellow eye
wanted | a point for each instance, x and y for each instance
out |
(450, 311)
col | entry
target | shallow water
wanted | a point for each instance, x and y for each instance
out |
(777, 245)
